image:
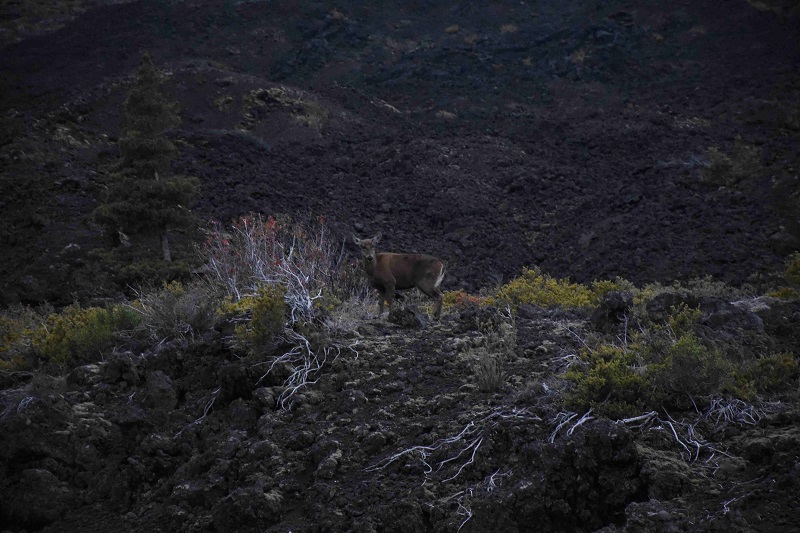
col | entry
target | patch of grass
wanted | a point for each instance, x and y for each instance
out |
(498, 347)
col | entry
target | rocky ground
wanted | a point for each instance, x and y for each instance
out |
(395, 434)
(572, 136)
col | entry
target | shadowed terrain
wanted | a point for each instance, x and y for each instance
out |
(585, 140)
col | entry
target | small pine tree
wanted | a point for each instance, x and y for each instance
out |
(143, 199)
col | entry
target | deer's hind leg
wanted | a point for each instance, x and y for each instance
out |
(433, 292)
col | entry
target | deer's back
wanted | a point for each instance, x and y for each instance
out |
(406, 269)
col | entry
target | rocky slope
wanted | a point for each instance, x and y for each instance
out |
(395, 434)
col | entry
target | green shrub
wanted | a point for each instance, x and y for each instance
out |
(82, 335)
(534, 287)
(267, 317)
(689, 368)
(612, 382)
(662, 367)
(770, 374)
(792, 277)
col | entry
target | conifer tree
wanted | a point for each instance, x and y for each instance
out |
(143, 198)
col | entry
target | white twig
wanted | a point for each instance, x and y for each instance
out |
(468, 440)
(562, 419)
(463, 510)
(584, 418)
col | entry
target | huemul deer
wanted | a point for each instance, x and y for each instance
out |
(388, 272)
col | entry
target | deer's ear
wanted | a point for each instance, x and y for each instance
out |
(356, 239)
(376, 239)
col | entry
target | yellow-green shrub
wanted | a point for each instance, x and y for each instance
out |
(267, 317)
(773, 373)
(661, 367)
(79, 335)
(611, 383)
(792, 276)
(534, 287)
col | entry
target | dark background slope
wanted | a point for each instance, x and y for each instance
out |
(569, 135)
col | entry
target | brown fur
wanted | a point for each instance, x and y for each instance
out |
(388, 272)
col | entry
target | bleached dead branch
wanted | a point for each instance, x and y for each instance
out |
(685, 432)
(17, 400)
(462, 509)
(467, 442)
(560, 420)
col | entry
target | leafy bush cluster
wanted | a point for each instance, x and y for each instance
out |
(771, 374)
(264, 317)
(668, 366)
(536, 288)
(81, 334)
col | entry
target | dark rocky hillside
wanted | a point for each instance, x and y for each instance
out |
(657, 142)
(568, 135)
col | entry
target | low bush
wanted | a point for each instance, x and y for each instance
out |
(611, 381)
(178, 311)
(792, 277)
(662, 367)
(536, 288)
(78, 335)
(260, 318)
(770, 374)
